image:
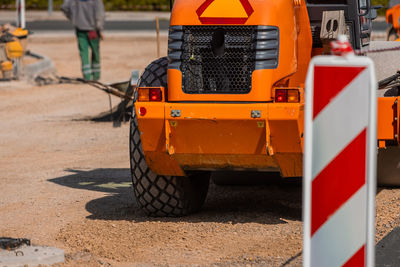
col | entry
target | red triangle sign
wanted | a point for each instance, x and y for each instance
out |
(218, 12)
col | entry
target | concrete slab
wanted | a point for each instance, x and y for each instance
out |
(31, 256)
(386, 63)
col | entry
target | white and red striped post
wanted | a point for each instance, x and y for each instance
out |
(20, 6)
(340, 161)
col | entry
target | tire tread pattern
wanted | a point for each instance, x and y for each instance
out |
(159, 195)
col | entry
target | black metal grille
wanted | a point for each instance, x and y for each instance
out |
(208, 68)
(316, 32)
(205, 72)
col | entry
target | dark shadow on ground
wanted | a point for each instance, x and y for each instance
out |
(114, 116)
(117, 116)
(388, 250)
(269, 202)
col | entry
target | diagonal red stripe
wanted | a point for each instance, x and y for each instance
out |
(357, 260)
(343, 177)
(247, 7)
(245, 3)
(203, 7)
(329, 82)
(223, 20)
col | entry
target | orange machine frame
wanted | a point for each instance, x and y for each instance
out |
(246, 131)
(388, 120)
(392, 17)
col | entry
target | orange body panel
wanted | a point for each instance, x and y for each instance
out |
(151, 140)
(220, 131)
(304, 45)
(226, 138)
(294, 50)
(284, 120)
(387, 112)
(393, 15)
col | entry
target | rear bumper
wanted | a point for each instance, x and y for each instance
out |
(208, 136)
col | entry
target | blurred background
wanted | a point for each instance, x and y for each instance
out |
(140, 5)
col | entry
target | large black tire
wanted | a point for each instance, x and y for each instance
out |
(155, 75)
(159, 195)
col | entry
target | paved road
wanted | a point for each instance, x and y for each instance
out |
(379, 26)
(40, 20)
(58, 25)
(128, 25)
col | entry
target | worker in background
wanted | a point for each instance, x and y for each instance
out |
(88, 18)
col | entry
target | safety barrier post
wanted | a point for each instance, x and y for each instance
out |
(50, 7)
(340, 160)
(20, 4)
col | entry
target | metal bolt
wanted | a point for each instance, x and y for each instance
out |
(175, 113)
(256, 114)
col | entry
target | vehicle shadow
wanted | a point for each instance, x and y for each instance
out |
(388, 249)
(266, 200)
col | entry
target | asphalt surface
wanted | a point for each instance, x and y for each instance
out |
(379, 26)
(56, 25)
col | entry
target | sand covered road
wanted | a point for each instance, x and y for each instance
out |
(65, 182)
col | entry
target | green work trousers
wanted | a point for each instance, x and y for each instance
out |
(90, 61)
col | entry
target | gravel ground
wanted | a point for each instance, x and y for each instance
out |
(65, 182)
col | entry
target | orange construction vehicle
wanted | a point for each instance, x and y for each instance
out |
(230, 94)
(393, 18)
